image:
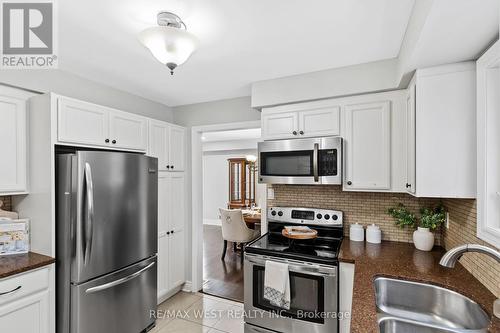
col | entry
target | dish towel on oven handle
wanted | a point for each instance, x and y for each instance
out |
(277, 284)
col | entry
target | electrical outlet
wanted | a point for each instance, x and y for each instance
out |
(447, 220)
(270, 193)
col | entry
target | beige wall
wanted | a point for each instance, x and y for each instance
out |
(367, 208)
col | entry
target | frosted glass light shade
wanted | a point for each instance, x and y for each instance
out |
(169, 44)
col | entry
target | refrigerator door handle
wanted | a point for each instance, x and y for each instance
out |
(89, 221)
(119, 281)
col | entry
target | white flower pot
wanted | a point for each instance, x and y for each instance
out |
(423, 239)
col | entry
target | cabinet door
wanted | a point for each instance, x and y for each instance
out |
(176, 269)
(320, 122)
(163, 239)
(128, 131)
(368, 146)
(177, 202)
(26, 315)
(163, 263)
(13, 136)
(177, 148)
(410, 140)
(158, 143)
(82, 123)
(280, 125)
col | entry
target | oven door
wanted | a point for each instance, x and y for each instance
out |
(289, 161)
(314, 297)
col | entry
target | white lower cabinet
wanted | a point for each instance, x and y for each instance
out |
(25, 306)
(171, 234)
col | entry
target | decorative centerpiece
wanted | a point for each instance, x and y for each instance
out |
(430, 220)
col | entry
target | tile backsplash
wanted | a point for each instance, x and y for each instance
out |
(366, 208)
(358, 207)
(463, 230)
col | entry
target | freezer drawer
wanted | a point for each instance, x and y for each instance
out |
(118, 302)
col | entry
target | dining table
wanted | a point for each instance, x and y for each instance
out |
(251, 217)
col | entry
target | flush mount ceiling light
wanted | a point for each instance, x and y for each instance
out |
(169, 42)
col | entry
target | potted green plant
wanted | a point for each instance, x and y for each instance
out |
(430, 220)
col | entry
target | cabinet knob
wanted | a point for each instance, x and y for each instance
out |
(349, 183)
(301, 132)
(107, 140)
(172, 232)
(294, 132)
(113, 142)
(168, 232)
(171, 167)
(408, 185)
(168, 166)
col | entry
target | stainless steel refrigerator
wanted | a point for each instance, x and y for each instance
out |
(106, 242)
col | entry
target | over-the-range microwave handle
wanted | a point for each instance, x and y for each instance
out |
(315, 162)
(294, 266)
(89, 221)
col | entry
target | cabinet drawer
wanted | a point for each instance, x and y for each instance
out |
(23, 284)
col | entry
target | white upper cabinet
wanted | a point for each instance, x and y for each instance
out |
(488, 146)
(82, 123)
(367, 145)
(177, 148)
(167, 143)
(410, 139)
(320, 122)
(311, 119)
(88, 124)
(443, 135)
(279, 125)
(13, 128)
(158, 142)
(128, 130)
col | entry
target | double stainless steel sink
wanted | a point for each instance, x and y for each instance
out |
(411, 307)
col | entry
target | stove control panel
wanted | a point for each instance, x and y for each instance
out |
(297, 215)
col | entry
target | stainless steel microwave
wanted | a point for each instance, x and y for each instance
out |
(301, 161)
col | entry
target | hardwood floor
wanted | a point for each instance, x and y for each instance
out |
(223, 278)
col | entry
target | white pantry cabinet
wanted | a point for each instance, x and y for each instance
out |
(441, 132)
(312, 119)
(367, 146)
(488, 146)
(13, 135)
(25, 308)
(167, 142)
(89, 124)
(171, 232)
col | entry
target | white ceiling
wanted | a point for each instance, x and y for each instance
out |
(242, 41)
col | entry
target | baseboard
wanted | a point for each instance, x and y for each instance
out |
(212, 222)
(187, 287)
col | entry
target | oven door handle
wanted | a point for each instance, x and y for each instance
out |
(315, 162)
(295, 267)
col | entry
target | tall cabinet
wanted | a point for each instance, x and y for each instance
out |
(167, 143)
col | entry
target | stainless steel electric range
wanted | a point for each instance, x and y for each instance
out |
(313, 271)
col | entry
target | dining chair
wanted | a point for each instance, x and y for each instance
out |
(234, 229)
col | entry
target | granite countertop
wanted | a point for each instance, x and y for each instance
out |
(404, 261)
(19, 263)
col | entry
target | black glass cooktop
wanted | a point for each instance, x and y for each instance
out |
(324, 249)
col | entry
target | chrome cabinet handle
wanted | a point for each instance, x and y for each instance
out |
(119, 281)
(11, 291)
(89, 223)
(315, 162)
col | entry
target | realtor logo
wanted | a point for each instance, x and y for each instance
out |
(28, 34)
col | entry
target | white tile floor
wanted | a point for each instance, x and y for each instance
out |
(199, 313)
